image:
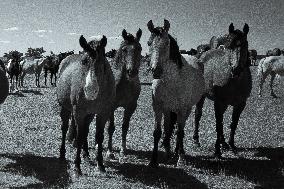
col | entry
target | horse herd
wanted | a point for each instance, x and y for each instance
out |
(89, 85)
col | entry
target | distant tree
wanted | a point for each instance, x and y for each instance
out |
(15, 55)
(35, 52)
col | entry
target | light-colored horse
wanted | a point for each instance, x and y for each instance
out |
(177, 86)
(86, 88)
(4, 85)
(272, 66)
(228, 82)
(30, 67)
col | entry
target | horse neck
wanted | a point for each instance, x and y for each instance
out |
(170, 71)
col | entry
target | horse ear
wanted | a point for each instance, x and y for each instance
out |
(231, 28)
(124, 34)
(103, 42)
(166, 25)
(84, 44)
(246, 28)
(150, 26)
(138, 34)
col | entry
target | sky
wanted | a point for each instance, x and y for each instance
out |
(57, 25)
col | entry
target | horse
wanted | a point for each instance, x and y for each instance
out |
(271, 65)
(228, 82)
(31, 67)
(274, 52)
(253, 56)
(13, 70)
(86, 87)
(52, 63)
(177, 86)
(4, 84)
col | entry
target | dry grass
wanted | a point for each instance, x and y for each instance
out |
(30, 138)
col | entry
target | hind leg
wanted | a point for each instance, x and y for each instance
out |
(220, 109)
(45, 76)
(273, 74)
(262, 80)
(197, 117)
(237, 110)
(111, 129)
(71, 137)
(64, 114)
(128, 112)
(87, 123)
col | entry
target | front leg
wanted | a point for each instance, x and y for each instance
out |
(111, 129)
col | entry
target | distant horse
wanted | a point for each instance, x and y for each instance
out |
(274, 52)
(14, 71)
(177, 86)
(51, 64)
(4, 84)
(86, 87)
(31, 67)
(253, 56)
(111, 54)
(271, 65)
(228, 82)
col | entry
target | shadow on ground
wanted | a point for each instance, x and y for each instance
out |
(51, 171)
(266, 169)
(35, 92)
(162, 177)
(17, 93)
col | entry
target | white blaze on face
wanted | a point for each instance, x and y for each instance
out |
(91, 87)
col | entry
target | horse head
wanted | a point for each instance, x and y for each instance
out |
(162, 48)
(237, 45)
(129, 53)
(94, 60)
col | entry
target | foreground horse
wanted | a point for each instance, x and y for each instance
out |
(228, 82)
(127, 83)
(14, 71)
(177, 86)
(86, 87)
(31, 67)
(271, 65)
(4, 85)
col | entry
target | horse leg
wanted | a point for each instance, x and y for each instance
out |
(237, 110)
(197, 117)
(262, 80)
(71, 137)
(111, 129)
(170, 119)
(181, 119)
(81, 138)
(55, 78)
(45, 76)
(128, 112)
(64, 114)
(220, 109)
(87, 123)
(51, 76)
(157, 135)
(273, 74)
(100, 126)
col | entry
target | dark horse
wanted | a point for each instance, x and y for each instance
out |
(234, 91)
(51, 64)
(14, 70)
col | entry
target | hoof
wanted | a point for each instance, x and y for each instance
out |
(123, 152)
(234, 149)
(225, 146)
(153, 164)
(109, 155)
(181, 161)
(218, 154)
(101, 168)
(197, 143)
(62, 158)
(77, 172)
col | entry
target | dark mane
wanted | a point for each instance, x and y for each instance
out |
(174, 52)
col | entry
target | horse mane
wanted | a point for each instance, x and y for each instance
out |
(174, 52)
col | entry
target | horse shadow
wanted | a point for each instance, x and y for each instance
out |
(35, 92)
(265, 168)
(161, 177)
(51, 171)
(17, 93)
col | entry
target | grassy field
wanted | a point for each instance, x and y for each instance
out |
(30, 138)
